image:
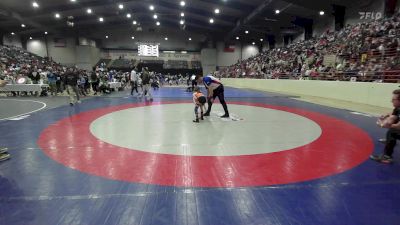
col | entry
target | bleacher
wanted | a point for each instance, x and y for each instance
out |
(105, 61)
(367, 51)
(151, 61)
(176, 64)
(122, 64)
(196, 65)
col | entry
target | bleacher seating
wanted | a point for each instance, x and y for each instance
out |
(368, 51)
(176, 64)
(196, 64)
(122, 64)
(106, 62)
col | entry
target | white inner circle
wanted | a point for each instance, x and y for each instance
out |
(168, 129)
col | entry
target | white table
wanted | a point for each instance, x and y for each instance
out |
(23, 87)
(114, 85)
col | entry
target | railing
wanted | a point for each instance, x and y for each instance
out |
(176, 64)
(371, 54)
(387, 76)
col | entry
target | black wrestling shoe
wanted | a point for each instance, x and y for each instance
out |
(3, 150)
(4, 156)
(225, 116)
(382, 140)
(382, 158)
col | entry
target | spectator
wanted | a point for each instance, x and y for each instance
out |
(392, 123)
(146, 83)
(362, 42)
(52, 79)
(71, 82)
(134, 81)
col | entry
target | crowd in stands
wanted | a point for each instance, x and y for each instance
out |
(122, 63)
(368, 51)
(176, 64)
(18, 66)
(196, 65)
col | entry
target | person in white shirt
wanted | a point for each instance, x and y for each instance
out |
(134, 81)
(194, 81)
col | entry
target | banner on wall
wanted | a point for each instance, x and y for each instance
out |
(189, 56)
(229, 48)
(329, 60)
(86, 42)
(60, 42)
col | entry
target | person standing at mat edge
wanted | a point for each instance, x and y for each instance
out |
(215, 88)
(71, 82)
(134, 78)
(4, 155)
(392, 123)
(146, 83)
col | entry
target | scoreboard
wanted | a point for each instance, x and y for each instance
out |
(148, 50)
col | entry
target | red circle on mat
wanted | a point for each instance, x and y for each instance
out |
(340, 147)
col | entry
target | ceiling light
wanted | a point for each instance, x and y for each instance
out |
(23, 25)
(182, 14)
(151, 7)
(181, 22)
(128, 15)
(190, 39)
(182, 3)
(166, 38)
(12, 33)
(35, 5)
(211, 20)
(261, 39)
(133, 37)
(120, 6)
(253, 43)
(30, 38)
(134, 22)
(57, 15)
(246, 31)
(277, 11)
(216, 11)
(155, 16)
(89, 11)
(106, 36)
(101, 19)
(321, 13)
(73, 0)
(158, 23)
(45, 32)
(237, 38)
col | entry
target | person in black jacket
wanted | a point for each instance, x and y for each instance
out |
(4, 155)
(94, 79)
(392, 123)
(34, 75)
(146, 83)
(71, 82)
